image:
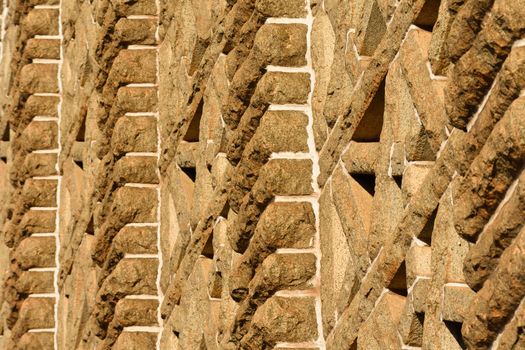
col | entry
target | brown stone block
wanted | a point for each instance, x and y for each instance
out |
(39, 78)
(136, 240)
(284, 271)
(274, 272)
(39, 193)
(137, 99)
(37, 341)
(281, 8)
(136, 312)
(37, 221)
(133, 204)
(491, 173)
(282, 320)
(35, 313)
(43, 48)
(34, 282)
(42, 106)
(361, 157)
(39, 135)
(281, 45)
(134, 66)
(35, 252)
(41, 22)
(284, 131)
(136, 31)
(38, 164)
(136, 341)
(456, 302)
(32, 221)
(135, 169)
(134, 134)
(283, 88)
(289, 177)
(130, 277)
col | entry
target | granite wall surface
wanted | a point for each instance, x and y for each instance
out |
(262, 174)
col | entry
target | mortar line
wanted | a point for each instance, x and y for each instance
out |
(59, 180)
(160, 294)
(316, 281)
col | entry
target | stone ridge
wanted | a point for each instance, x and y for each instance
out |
(262, 174)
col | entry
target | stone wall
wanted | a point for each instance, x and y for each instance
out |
(262, 174)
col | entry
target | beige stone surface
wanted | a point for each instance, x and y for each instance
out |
(262, 174)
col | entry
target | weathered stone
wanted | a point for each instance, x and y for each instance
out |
(472, 75)
(265, 174)
(281, 8)
(482, 258)
(134, 134)
(488, 178)
(494, 305)
(268, 327)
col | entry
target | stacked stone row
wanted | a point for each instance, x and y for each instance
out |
(268, 118)
(126, 310)
(31, 229)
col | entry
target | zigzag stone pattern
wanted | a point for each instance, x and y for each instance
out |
(262, 174)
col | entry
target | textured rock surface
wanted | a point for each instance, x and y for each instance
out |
(262, 174)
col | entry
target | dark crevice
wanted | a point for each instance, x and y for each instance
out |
(371, 125)
(208, 248)
(80, 164)
(367, 181)
(398, 284)
(399, 180)
(426, 233)
(190, 172)
(81, 135)
(90, 229)
(193, 132)
(428, 16)
(5, 135)
(455, 330)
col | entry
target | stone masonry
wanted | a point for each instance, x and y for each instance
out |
(262, 174)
